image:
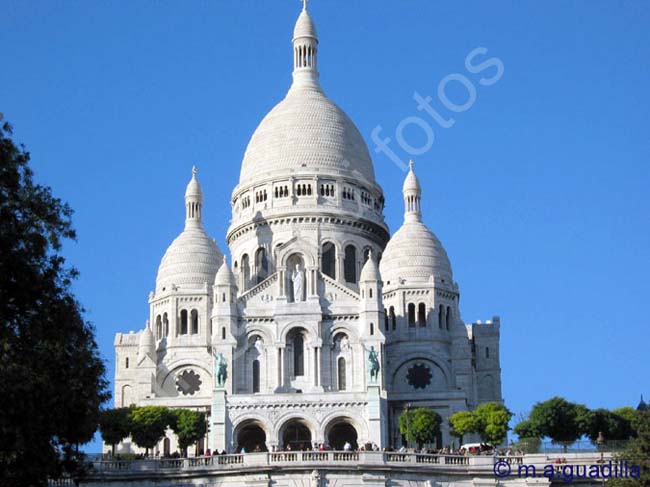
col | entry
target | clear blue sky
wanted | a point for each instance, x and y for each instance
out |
(538, 192)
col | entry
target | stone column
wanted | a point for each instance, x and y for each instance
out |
(281, 367)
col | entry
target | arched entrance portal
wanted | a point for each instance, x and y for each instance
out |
(296, 435)
(341, 432)
(251, 437)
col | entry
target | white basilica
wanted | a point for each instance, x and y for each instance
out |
(322, 328)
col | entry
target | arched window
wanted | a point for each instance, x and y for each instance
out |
(223, 333)
(422, 314)
(441, 317)
(411, 313)
(393, 319)
(126, 363)
(261, 264)
(165, 324)
(183, 322)
(245, 271)
(448, 318)
(256, 376)
(370, 293)
(487, 352)
(159, 329)
(298, 355)
(328, 264)
(341, 373)
(372, 328)
(350, 264)
(194, 317)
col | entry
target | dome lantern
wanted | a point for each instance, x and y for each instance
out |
(305, 50)
(193, 200)
(412, 196)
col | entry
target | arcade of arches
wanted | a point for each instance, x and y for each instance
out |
(295, 435)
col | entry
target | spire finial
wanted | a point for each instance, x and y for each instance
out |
(304, 4)
(411, 164)
(194, 171)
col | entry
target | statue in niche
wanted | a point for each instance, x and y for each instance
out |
(220, 369)
(259, 345)
(298, 280)
(373, 364)
(344, 344)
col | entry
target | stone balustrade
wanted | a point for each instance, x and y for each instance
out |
(332, 459)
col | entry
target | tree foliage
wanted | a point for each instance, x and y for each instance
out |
(51, 375)
(115, 425)
(562, 421)
(637, 452)
(492, 420)
(462, 423)
(421, 425)
(189, 426)
(612, 426)
(148, 425)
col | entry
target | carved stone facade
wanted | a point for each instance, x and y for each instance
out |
(316, 290)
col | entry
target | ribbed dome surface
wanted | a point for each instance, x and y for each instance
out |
(306, 131)
(411, 183)
(414, 254)
(370, 271)
(224, 277)
(304, 26)
(192, 259)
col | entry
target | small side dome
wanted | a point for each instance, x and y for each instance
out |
(305, 26)
(146, 343)
(224, 277)
(370, 271)
(414, 254)
(193, 258)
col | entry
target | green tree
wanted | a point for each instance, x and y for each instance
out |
(115, 425)
(461, 424)
(148, 425)
(189, 426)
(51, 376)
(421, 425)
(562, 421)
(529, 438)
(492, 420)
(612, 426)
(637, 453)
(628, 416)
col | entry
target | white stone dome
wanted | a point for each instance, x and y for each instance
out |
(192, 259)
(414, 254)
(306, 132)
(224, 276)
(370, 271)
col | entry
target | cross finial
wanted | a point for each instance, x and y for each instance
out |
(411, 164)
(194, 170)
(304, 4)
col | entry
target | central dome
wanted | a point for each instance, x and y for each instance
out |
(306, 132)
